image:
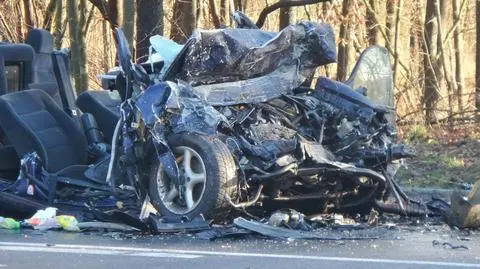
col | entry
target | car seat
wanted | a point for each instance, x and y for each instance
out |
(33, 122)
(43, 75)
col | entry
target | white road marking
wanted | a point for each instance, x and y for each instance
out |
(178, 253)
(55, 249)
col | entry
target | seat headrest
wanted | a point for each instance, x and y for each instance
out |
(41, 40)
(16, 52)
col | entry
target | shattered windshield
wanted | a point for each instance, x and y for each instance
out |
(373, 72)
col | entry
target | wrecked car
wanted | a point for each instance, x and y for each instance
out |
(231, 121)
(281, 142)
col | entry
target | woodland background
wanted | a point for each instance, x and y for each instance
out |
(433, 43)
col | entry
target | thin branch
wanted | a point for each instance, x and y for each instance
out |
(384, 34)
(7, 28)
(292, 3)
(89, 20)
(455, 23)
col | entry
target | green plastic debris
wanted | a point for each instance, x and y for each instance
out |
(9, 223)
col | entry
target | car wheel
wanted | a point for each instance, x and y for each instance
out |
(207, 174)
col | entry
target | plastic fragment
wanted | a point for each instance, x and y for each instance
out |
(9, 223)
(44, 219)
(68, 223)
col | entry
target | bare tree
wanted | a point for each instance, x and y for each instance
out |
(184, 19)
(398, 17)
(390, 5)
(431, 65)
(441, 56)
(129, 21)
(48, 16)
(477, 65)
(344, 43)
(58, 30)
(28, 14)
(20, 33)
(149, 23)
(82, 47)
(106, 47)
(214, 14)
(109, 11)
(239, 5)
(223, 11)
(284, 17)
(77, 44)
(457, 43)
(370, 23)
(72, 15)
(283, 4)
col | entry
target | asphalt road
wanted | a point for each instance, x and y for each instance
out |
(32, 249)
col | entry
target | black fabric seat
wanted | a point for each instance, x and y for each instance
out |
(43, 73)
(32, 121)
(104, 106)
(20, 55)
(8, 158)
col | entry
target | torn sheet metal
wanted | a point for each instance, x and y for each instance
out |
(284, 233)
(152, 102)
(169, 225)
(254, 90)
(190, 113)
(228, 55)
(187, 111)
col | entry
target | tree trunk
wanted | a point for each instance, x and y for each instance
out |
(284, 17)
(477, 65)
(458, 46)
(112, 9)
(213, 13)
(106, 47)
(88, 23)
(431, 91)
(82, 48)
(129, 21)
(389, 20)
(28, 14)
(223, 12)
(442, 58)
(239, 5)
(78, 69)
(184, 19)
(370, 23)
(73, 25)
(398, 17)
(19, 26)
(344, 43)
(149, 22)
(49, 13)
(58, 31)
(109, 11)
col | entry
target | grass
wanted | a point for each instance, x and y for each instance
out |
(442, 161)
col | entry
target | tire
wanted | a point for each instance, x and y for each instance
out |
(219, 167)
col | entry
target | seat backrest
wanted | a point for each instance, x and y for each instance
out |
(15, 58)
(43, 72)
(32, 121)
